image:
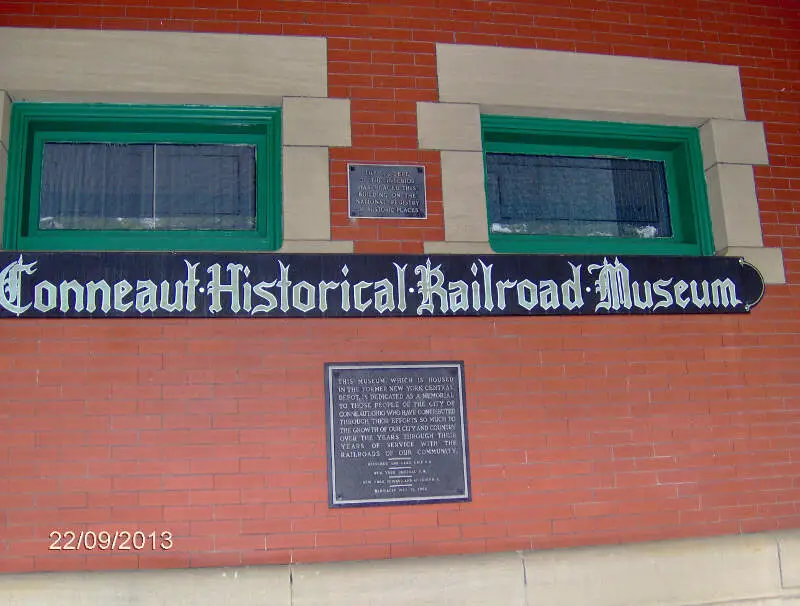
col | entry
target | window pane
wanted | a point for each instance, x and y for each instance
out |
(558, 195)
(111, 186)
(205, 187)
(96, 186)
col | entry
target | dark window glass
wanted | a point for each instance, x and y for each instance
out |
(572, 196)
(147, 186)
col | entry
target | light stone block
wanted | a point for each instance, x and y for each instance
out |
(575, 82)
(465, 216)
(317, 246)
(316, 122)
(462, 580)
(306, 194)
(159, 67)
(3, 174)
(458, 248)
(5, 119)
(539, 83)
(589, 115)
(733, 142)
(449, 126)
(222, 587)
(716, 208)
(789, 545)
(740, 570)
(674, 573)
(768, 262)
(785, 601)
(734, 206)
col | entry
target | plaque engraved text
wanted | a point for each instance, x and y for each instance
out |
(396, 433)
(387, 192)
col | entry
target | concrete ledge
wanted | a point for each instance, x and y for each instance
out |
(317, 246)
(671, 573)
(5, 119)
(750, 570)
(465, 215)
(306, 194)
(449, 126)
(467, 580)
(219, 586)
(734, 206)
(768, 261)
(790, 601)
(160, 67)
(789, 546)
(733, 142)
(318, 122)
(575, 82)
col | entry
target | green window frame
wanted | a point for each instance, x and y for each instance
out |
(34, 124)
(676, 146)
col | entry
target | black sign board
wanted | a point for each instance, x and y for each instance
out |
(396, 433)
(105, 284)
(386, 192)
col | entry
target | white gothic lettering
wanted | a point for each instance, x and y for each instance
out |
(286, 288)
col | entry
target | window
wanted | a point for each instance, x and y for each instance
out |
(563, 186)
(124, 177)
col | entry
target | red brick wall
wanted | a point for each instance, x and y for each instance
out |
(582, 431)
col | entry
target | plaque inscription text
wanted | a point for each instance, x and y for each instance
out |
(387, 192)
(396, 433)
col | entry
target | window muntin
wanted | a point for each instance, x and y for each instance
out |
(106, 177)
(562, 186)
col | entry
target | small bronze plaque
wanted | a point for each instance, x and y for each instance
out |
(397, 433)
(386, 192)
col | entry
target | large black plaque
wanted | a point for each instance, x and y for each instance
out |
(387, 192)
(396, 433)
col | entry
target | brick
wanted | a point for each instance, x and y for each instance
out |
(116, 562)
(238, 512)
(440, 534)
(413, 520)
(574, 427)
(383, 537)
(56, 563)
(162, 498)
(177, 513)
(294, 540)
(365, 522)
(270, 526)
(139, 515)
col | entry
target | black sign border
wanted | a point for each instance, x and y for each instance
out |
(329, 368)
(388, 217)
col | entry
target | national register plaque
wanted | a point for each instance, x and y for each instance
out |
(397, 433)
(382, 191)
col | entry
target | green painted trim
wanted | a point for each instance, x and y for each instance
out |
(33, 124)
(698, 193)
(520, 243)
(677, 146)
(146, 240)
